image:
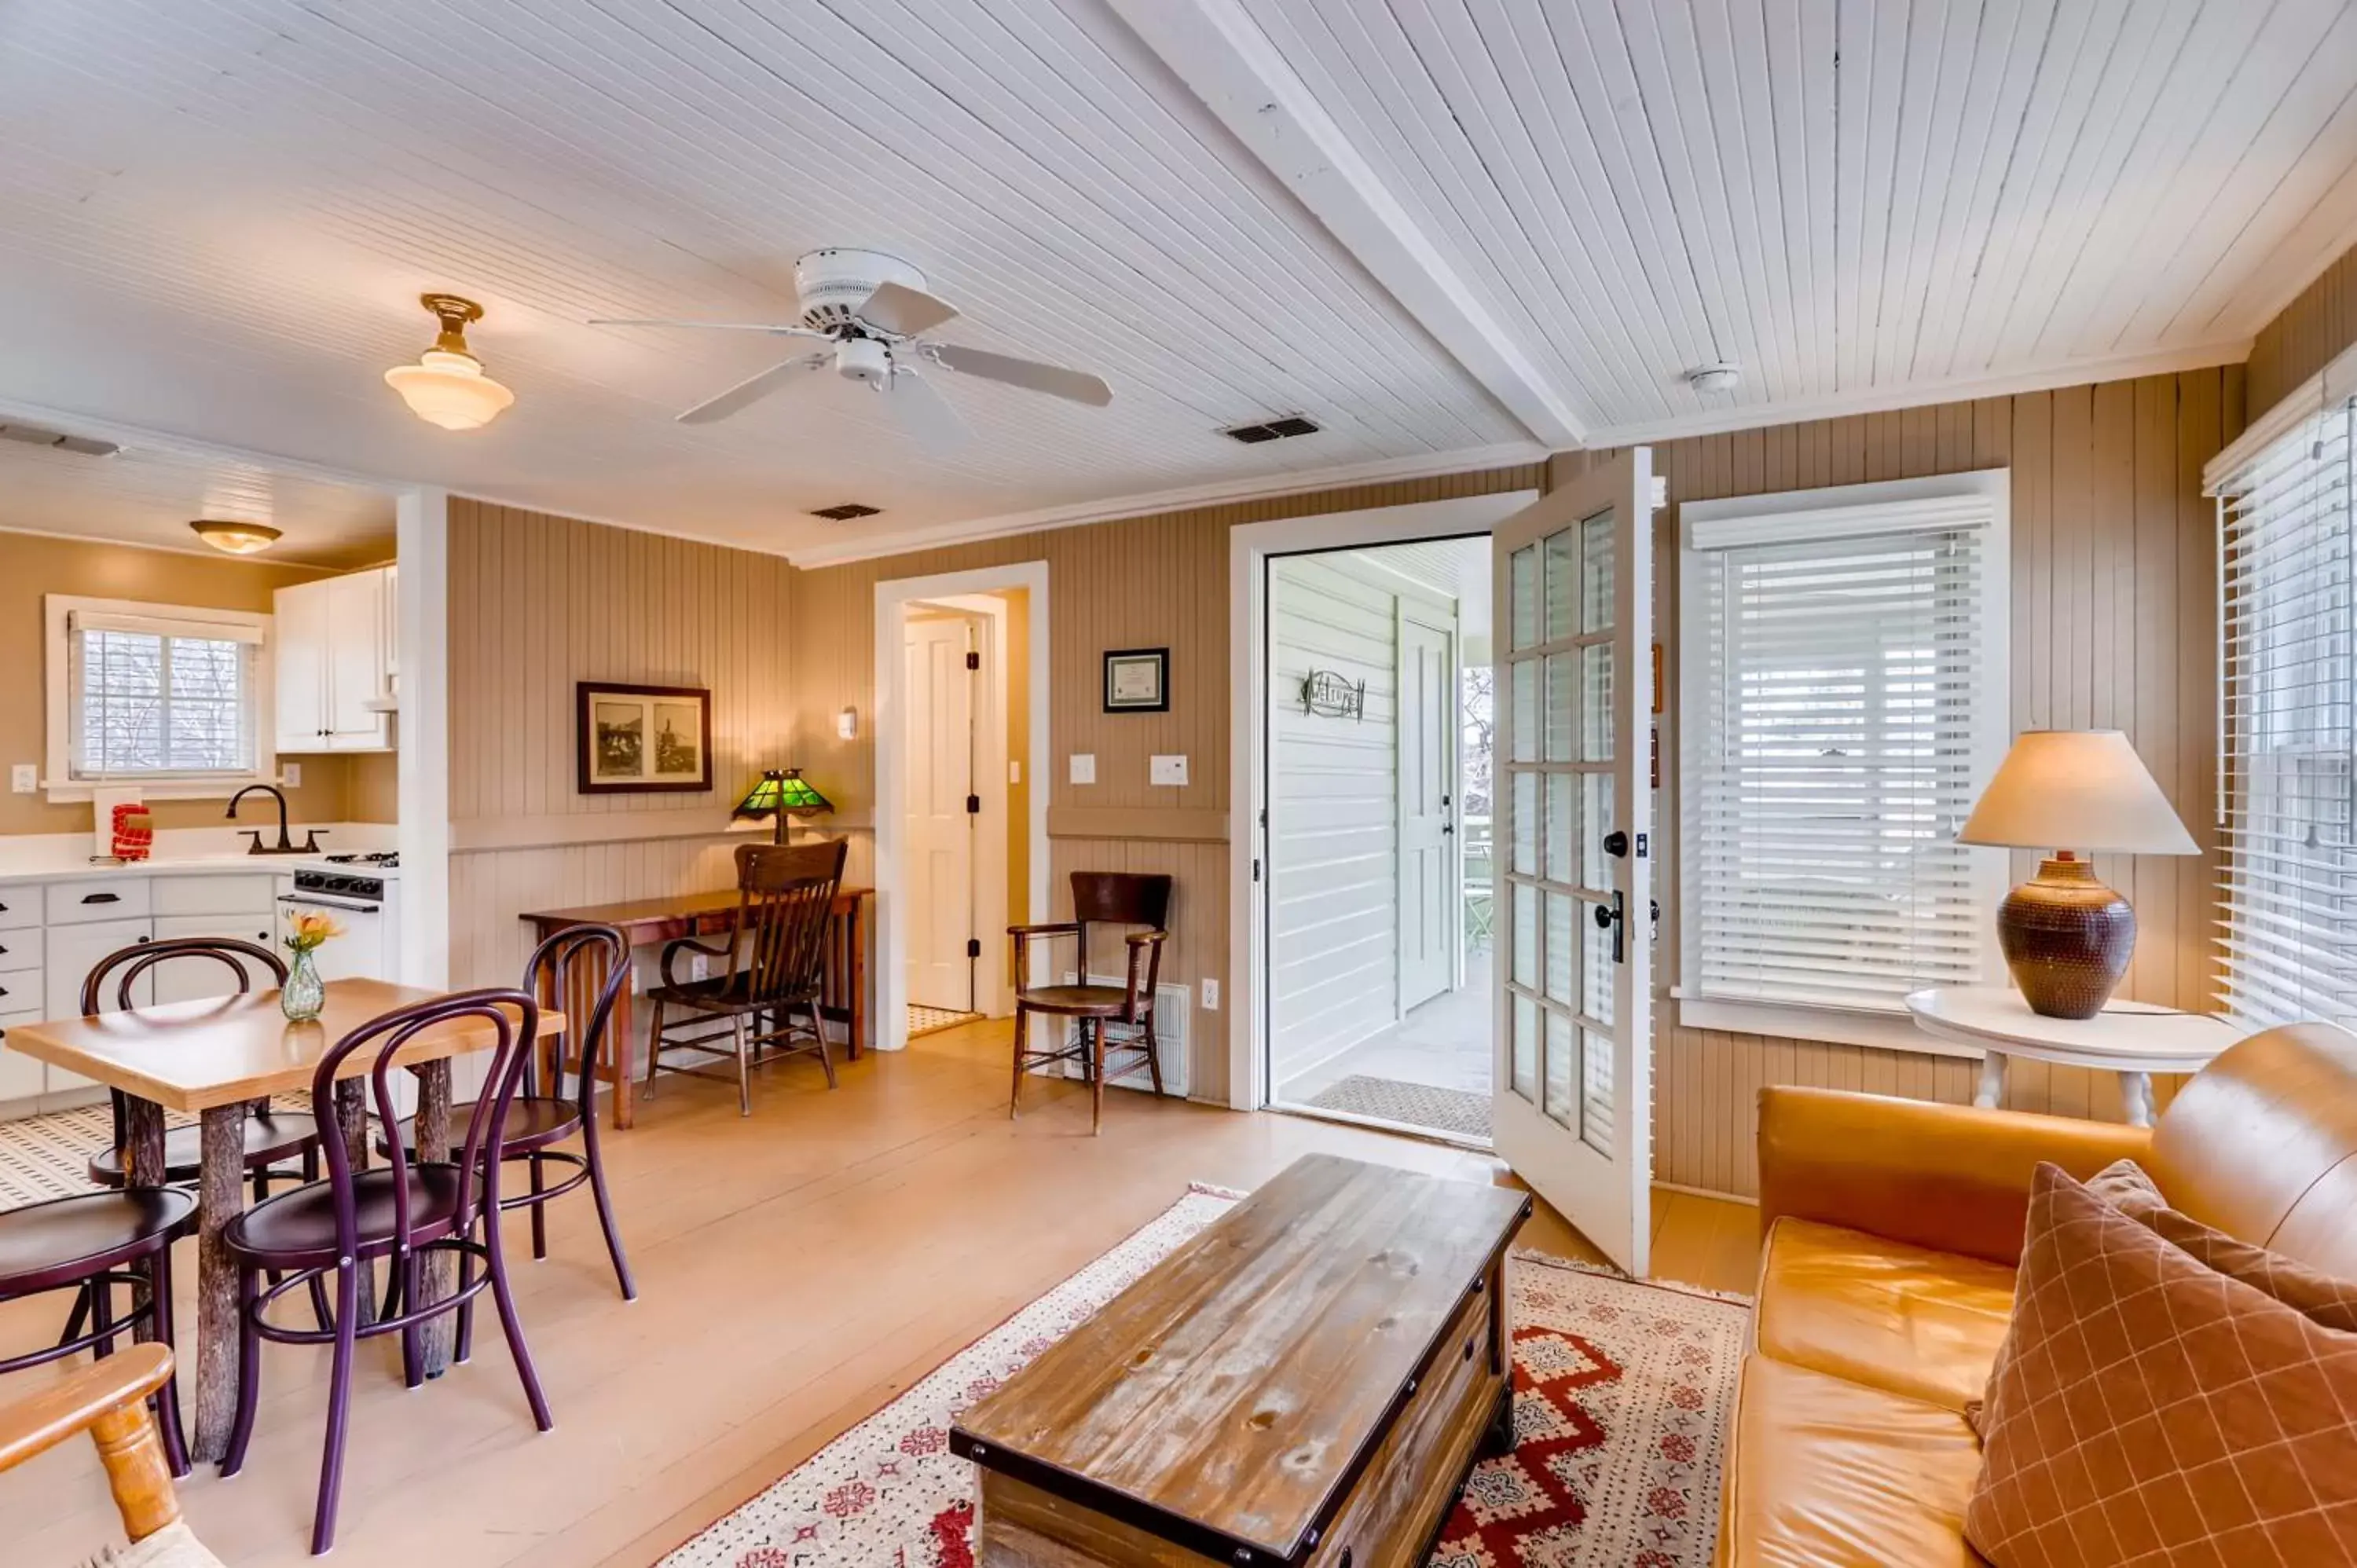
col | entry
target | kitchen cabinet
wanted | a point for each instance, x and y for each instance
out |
(73, 951)
(334, 663)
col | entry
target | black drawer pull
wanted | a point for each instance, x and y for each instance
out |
(102, 897)
(1468, 1350)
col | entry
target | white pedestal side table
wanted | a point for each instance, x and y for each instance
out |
(2135, 1039)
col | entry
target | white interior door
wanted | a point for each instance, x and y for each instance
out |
(1572, 576)
(938, 763)
(1428, 790)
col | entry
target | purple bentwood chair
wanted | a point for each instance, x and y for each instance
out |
(402, 1212)
(563, 967)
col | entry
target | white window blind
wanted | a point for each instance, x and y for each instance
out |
(2286, 728)
(151, 697)
(1844, 699)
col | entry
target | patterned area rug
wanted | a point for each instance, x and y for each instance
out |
(1416, 1104)
(933, 1020)
(1622, 1395)
(49, 1156)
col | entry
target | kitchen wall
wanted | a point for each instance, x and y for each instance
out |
(33, 565)
(538, 602)
(1139, 583)
(375, 792)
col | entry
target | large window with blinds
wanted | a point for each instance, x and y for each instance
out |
(1845, 695)
(153, 693)
(2288, 726)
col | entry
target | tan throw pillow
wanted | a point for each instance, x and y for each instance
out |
(2149, 1410)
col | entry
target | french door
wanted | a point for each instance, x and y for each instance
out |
(1572, 583)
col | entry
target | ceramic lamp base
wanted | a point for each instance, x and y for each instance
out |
(2067, 938)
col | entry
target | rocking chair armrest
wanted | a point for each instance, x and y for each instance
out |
(672, 948)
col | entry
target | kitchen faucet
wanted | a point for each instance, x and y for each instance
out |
(285, 844)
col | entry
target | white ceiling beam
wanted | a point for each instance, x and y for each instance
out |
(1223, 56)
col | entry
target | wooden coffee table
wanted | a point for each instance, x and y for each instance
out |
(1306, 1381)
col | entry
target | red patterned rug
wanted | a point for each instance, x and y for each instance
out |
(1621, 1394)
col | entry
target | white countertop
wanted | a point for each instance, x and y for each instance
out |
(188, 852)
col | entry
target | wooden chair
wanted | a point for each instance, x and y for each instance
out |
(108, 1400)
(1099, 897)
(776, 959)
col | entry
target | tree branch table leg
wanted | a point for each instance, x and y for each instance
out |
(438, 1270)
(221, 1197)
(353, 1122)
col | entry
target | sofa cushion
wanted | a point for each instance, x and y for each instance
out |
(1833, 1473)
(1896, 1318)
(2150, 1409)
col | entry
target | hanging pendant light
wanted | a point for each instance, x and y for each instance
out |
(447, 386)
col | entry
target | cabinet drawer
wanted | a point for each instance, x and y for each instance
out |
(22, 991)
(230, 894)
(20, 950)
(21, 1078)
(20, 906)
(98, 898)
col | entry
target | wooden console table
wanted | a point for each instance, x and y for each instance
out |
(650, 921)
(1306, 1381)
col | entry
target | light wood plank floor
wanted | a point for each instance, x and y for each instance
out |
(796, 1271)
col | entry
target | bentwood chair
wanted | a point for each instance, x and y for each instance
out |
(407, 1212)
(108, 1400)
(91, 1243)
(578, 962)
(776, 959)
(1099, 897)
(271, 1137)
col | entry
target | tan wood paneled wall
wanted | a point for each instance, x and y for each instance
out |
(1139, 583)
(2114, 586)
(538, 602)
(2320, 322)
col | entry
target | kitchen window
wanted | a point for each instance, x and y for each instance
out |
(164, 696)
(1844, 696)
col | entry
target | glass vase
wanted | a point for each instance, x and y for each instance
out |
(305, 992)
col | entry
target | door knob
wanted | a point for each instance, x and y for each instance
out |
(1615, 844)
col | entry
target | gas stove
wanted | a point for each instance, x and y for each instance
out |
(386, 859)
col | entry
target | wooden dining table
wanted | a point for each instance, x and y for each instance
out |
(210, 1058)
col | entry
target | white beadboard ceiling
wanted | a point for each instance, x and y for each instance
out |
(1450, 230)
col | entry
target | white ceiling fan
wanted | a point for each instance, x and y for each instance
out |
(872, 311)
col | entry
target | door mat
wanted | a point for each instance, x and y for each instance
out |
(1451, 1111)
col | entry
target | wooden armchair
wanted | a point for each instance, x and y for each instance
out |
(1099, 897)
(108, 1399)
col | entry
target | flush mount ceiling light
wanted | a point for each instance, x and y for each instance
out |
(235, 538)
(1719, 378)
(447, 386)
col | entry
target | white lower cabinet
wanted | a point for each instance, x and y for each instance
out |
(74, 951)
(21, 1078)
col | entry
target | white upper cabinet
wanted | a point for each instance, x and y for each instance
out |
(334, 663)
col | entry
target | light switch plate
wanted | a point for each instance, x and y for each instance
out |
(1210, 996)
(1168, 771)
(24, 778)
(1085, 768)
(1014, 771)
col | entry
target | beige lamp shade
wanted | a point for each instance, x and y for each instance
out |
(2076, 789)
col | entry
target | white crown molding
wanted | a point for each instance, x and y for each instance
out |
(1424, 465)
(1925, 394)
(132, 437)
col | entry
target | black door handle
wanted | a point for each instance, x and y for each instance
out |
(1608, 919)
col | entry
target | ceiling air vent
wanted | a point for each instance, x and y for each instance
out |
(845, 512)
(35, 435)
(1272, 430)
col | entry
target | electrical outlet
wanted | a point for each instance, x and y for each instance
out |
(1210, 996)
(24, 778)
(1167, 770)
(1085, 768)
(699, 968)
(293, 773)
(1014, 771)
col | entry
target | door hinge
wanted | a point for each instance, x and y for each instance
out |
(974, 947)
(974, 805)
(1256, 870)
(972, 659)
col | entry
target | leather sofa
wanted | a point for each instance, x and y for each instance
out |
(1890, 1231)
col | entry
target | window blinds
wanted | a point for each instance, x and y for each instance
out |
(2286, 728)
(160, 698)
(1838, 726)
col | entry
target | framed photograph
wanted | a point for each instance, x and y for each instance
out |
(642, 739)
(1137, 681)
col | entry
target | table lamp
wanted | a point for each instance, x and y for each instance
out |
(2066, 937)
(780, 794)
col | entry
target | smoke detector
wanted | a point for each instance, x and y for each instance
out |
(1719, 378)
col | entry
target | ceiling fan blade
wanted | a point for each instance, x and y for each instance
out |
(925, 411)
(778, 329)
(1053, 379)
(904, 312)
(751, 389)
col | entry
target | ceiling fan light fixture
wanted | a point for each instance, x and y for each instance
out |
(1721, 377)
(447, 386)
(233, 537)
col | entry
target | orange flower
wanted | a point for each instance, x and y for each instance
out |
(311, 929)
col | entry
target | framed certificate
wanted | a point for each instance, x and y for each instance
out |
(1137, 681)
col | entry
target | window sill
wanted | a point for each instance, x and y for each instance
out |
(160, 789)
(1890, 1031)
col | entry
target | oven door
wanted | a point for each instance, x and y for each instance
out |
(359, 953)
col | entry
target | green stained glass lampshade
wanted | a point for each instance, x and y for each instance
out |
(782, 791)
